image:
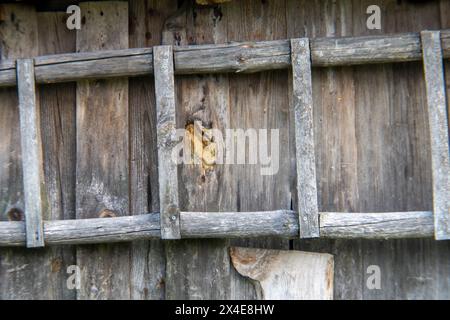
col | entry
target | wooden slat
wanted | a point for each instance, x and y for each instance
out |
(304, 139)
(234, 57)
(32, 163)
(438, 124)
(166, 130)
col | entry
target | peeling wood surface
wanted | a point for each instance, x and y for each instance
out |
(438, 124)
(286, 274)
(102, 181)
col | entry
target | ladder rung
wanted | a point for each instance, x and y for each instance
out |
(438, 124)
(32, 162)
(304, 138)
(166, 134)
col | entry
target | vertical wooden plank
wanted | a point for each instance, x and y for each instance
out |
(32, 162)
(200, 269)
(438, 123)
(58, 131)
(103, 153)
(304, 139)
(147, 257)
(335, 136)
(19, 278)
(166, 134)
(259, 101)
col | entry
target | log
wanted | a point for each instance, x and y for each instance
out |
(286, 274)
(438, 124)
(278, 223)
(85, 231)
(232, 57)
(383, 225)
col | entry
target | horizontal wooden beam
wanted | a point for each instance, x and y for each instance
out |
(232, 57)
(278, 223)
(384, 225)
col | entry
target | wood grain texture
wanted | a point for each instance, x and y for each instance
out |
(166, 140)
(20, 269)
(58, 131)
(438, 124)
(286, 274)
(259, 101)
(31, 146)
(102, 172)
(146, 20)
(304, 139)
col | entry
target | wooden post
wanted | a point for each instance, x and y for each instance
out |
(304, 139)
(438, 123)
(166, 130)
(32, 162)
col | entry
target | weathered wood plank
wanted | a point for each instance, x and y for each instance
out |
(286, 275)
(166, 137)
(259, 101)
(307, 206)
(193, 265)
(58, 131)
(241, 57)
(32, 161)
(17, 281)
(147, 257)
(438, 125)
(102, 172)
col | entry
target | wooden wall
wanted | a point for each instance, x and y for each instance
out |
(100, 153)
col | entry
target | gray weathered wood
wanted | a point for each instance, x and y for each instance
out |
(233, 57)
(304, 139)
(166, 134)
(102, 168)
(148, 271)
(438, 124)
(86, 231)
(32, 162)
(286, 274)
(382, 225)
(222, 225)
(281, 223)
